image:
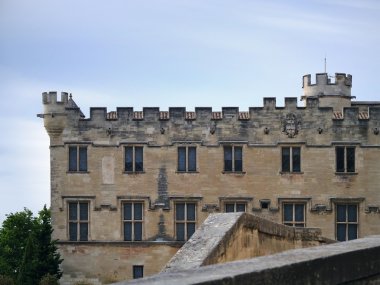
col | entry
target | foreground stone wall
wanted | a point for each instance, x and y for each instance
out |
(235, 236)
(353, 262)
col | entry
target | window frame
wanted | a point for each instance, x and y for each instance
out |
(292, 160)
(294, 222)
(77, 167)
(346, 222)
(134, 270)
(78, 221)
(187, 168)
(235, 206)
(344, 165)
(185, 222)
(135, 169)
(133, 221)
(234, 148)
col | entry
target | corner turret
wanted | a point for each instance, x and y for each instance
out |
(54, 115)
(335, 94)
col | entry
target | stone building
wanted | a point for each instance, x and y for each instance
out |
(129, 187)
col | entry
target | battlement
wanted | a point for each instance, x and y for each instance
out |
(336, 93)
(51, 97)
(323, 79)
(324, 86)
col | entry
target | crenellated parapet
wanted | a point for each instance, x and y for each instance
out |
(269, 124)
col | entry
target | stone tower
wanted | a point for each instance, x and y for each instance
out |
(336, 94)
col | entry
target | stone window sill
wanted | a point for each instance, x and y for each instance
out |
(133, 172)
(77, 172)
(234, 172)
(187, 172)
(346, 173)
(291, 173)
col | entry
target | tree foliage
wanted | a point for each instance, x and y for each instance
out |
(27, 252)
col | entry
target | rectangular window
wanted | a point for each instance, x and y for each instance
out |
(133, 221)
(291, 159)
(233, 158)
(345, 159)
(78, 220)
(185, 218)
(234, 207)
(138, 271)
(346, 222)
(293, 214)
(134, 159)
(78, 158)
(187, 158)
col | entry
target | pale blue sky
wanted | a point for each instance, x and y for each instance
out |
(165, 53)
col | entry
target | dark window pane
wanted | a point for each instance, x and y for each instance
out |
(240, 207)
(288, 212)
(83, 228)
(83, 211)
(264, 205)
(238, 159)
(299, 225)
(73, 211)
(341, 213)
(180, 211)
(138, 271)
(180, 231)
(339, 151)
(127, 231)
(192, 159)
(285, 159)
(229, 208)
(296, 152)
(73, 231)
(139, 164)
(190, 212)
(72, 158)
(138, 231)
(137, 211)
(352, 213)
(350, 159)
(190, 229)
(127, 211)
(227, 158)
(129, 158)
(181, 159)
(299, 212)
(341, 232)
(352, 231)
(83, 159)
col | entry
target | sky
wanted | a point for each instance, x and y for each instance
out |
(165, 53)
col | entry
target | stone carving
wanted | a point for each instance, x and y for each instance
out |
(291, 125)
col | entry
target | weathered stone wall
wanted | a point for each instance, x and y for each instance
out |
(114, 261)
(235, 236)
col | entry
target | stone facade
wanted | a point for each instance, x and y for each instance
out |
(125, 174)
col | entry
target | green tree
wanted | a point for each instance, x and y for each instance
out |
(14, 235)
(47, 253)
(27, 252)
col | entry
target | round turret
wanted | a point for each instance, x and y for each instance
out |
(335, 94)
(54, 113)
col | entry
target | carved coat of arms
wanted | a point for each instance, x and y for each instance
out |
(290, 125)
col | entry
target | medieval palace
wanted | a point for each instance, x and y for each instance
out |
(128, 188)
